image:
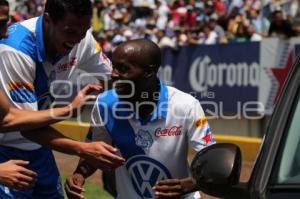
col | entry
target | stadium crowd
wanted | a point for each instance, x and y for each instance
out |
(174, 23)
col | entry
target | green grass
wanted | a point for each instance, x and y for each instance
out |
(92, 190)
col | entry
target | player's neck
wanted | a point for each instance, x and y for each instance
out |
(49, 45)
(149, 92)
(147, 98)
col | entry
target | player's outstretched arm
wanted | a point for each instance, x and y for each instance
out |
(98, 154)
(17, 119)
(74, 183)
(174, 188)
(13, 174)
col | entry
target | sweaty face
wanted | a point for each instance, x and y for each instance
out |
(124, 68)
(4, 18)
(68, 32)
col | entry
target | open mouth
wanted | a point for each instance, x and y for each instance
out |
(124, 87)
(69, 46)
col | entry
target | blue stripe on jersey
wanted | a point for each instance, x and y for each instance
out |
(120, 130)
(21, 39)
(22, 95)
(162, 109)
(41, 54)
(41, 86)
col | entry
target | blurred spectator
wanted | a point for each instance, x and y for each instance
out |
(208, 36)
(174, 23)
(180, 37)
(233, 23)
(98, 16)
(252, 35)
(162, 14)
(142, 8)
(296, 18)
(191, 17)
(221, 36)
(260, 23)
(128, 35)
(103, 41)
(192, 37)
(163, 40)
(280, 27)
(241, 33)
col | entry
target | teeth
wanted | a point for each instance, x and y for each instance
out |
(69, 45)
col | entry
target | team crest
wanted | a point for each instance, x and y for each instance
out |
(143, 139)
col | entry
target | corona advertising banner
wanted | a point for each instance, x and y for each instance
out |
(232, 77)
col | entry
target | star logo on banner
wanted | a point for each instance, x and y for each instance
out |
(281, 74)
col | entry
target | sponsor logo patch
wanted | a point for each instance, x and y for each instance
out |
(66, 66)
(201, 122)
(143, 139)
(145, 172)
(173, 131)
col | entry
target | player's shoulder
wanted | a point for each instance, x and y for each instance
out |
(21, 38)
(176, 95)
(107, 98)
(180, 102)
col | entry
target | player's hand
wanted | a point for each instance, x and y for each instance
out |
(101, 155)
(84, 95)
(13, 174)
(173, 188)
(74, 186)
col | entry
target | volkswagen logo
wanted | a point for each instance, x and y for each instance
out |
(145, 172)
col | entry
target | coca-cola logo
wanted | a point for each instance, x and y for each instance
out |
(173, 131)
(66, 66)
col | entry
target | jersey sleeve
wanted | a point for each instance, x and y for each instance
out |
(17, 78)
(97, 130)
(93, 60)
(199, 132)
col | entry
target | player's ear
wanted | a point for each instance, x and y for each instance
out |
(47, 18)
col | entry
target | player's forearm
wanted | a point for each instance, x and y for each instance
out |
(85, 169)
(51, 138)
(18, 119)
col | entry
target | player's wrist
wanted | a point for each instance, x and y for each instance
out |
(71, 109)
(78, 175)
(66, 110)
(79, 149)
(84, 169)
(188, 185)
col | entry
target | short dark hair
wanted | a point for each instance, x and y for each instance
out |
(57, 9)
(4, 3)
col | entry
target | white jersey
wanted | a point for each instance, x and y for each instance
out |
(156, 148)
(26, 75)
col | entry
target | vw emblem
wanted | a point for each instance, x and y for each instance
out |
(145, 172)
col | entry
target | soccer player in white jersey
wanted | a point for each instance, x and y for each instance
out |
(150, 123)
(14, 173)
(36, 53)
